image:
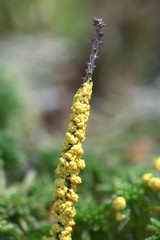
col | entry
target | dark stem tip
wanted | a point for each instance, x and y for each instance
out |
(98, 22)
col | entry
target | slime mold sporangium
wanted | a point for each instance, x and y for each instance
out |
(70, 162)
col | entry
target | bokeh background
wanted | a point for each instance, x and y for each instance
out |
(44, 47)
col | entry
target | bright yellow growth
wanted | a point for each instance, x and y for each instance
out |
(119, 203)
(146, 177)
(156, 163)
(154, 183)
(120, 217)
(70, 164)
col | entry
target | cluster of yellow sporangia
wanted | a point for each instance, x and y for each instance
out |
(70, 164)
(153, 182)
(119, 204)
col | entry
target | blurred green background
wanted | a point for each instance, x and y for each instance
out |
(44, 47)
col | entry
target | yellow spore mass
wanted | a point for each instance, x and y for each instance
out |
(70, 164)
(119, 203)
(120, 217)
(146, 177)
(156, 163)
(154, 183)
